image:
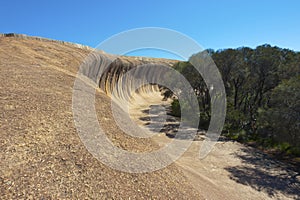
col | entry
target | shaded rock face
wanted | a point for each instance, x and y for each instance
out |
(106, 70)
(42, 156)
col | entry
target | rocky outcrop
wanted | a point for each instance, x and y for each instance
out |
(23, 36)
(42, 156)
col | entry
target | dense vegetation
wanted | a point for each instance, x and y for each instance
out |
(263, 95)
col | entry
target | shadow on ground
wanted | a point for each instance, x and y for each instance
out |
(169, 126)
(257, 170)
(262, 173)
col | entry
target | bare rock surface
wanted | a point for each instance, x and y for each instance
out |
(41, 154)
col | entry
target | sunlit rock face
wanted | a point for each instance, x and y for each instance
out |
(104, 69)
(40, 144)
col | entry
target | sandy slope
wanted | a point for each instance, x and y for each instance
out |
(41, 154)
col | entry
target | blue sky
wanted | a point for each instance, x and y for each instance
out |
(215, 24)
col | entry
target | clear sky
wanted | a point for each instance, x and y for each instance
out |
(215, 24)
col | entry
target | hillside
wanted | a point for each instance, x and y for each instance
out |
(43, 155)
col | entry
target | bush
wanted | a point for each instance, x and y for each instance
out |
(176, 111)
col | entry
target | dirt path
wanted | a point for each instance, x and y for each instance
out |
(231, 170)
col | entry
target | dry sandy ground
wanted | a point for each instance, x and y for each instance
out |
(231, 170)
(42, 156)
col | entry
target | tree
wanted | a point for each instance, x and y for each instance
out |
(282, 119)
(262, 88)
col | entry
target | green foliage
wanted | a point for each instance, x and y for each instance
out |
(176, 108)
(282, 117)
(263, 95)
(199, 89)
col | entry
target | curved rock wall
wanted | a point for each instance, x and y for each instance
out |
(109, 73)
